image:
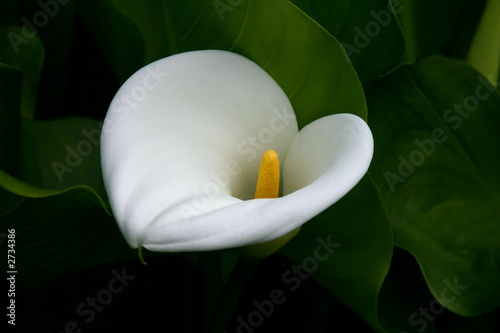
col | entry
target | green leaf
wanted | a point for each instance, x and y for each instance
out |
(368, 30)
(62, 153)
(358, 263)
(484, 53)
(55, 154)
(25, 54)
(436, 164)
(307, 62)
(118, 36)
(430, 27)
(60, 231)
(466, 25)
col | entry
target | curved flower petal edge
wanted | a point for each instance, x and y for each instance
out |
(181, 146)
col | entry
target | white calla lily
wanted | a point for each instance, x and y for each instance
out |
(181, 146)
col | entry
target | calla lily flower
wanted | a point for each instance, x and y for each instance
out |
(181, 147)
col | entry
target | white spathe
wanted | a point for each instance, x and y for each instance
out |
(181, 147)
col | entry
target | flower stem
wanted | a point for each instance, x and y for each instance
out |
(241, 274)
(484, 52)
(211, 283)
